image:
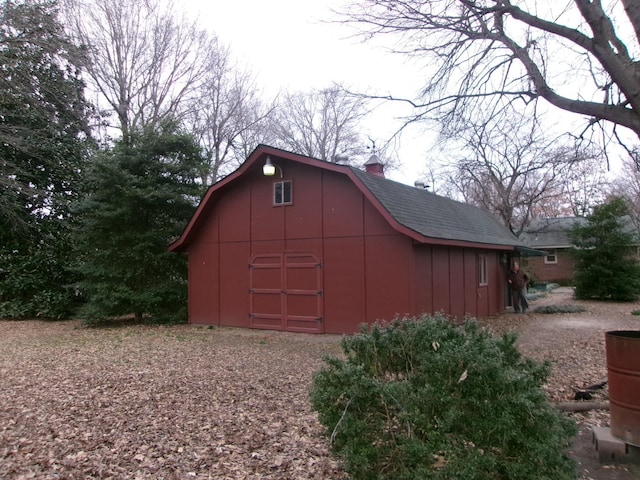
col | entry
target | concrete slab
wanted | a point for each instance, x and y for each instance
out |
(610, 449)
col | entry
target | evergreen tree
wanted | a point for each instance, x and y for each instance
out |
(606, 266)
(44, 142)
(140, 195)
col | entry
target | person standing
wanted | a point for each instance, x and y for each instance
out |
(518, 280)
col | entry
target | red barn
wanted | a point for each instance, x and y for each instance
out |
(293, 243)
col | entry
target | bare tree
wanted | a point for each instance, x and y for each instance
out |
(322, 124)
(228, 115)
(584, 186)
(627, 186)
(509, 168)
(579, 55)
(144, 62)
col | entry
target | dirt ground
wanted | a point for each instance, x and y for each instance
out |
(188, 402)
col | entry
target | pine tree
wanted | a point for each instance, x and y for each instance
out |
(606, 266)
(140, 195)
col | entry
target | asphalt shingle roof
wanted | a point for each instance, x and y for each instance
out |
(554, 232)
(435, 216)
(549, 232)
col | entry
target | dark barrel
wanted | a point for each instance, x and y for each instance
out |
(623, 371)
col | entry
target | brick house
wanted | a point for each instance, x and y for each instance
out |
(551, 236)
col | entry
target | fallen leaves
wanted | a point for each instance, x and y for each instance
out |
(143, 402)
(191, 402)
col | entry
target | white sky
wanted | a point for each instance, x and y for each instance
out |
(289, 45)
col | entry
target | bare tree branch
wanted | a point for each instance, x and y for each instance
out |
(321, 123)
(487, 50)
(508, 166)
(228, 116)
(144, 62)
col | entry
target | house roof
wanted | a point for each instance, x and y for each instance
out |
(549, 232)
(554, 232)
(417, 213)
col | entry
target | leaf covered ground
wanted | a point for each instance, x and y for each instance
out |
(185, 402)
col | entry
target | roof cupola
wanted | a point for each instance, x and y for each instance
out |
(374, 166)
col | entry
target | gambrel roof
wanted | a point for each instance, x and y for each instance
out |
(422, 215)
(434, 216)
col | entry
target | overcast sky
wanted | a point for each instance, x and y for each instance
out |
(298, 45)
(290, 44)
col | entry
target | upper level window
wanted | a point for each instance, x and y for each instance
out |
(483, 276)
(551, 256)
(282, 193)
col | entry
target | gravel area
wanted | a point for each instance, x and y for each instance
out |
(186, 402)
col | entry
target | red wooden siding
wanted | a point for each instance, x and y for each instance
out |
(422, 279)
(342, 208)
(344, 287)
(447, 279)
(233, 210)
(204, 284)
(304, 218)
(266, 221)
(387, 277)
(234, 283)
(457, 294)
(471, 281)
(440, 278)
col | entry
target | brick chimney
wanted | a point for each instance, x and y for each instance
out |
(374, 166)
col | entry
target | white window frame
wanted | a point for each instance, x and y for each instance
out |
(483, 270)
(551, 258)
(280, 193)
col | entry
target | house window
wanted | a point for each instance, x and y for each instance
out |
(282, 193)
(483, 276)
(551, 256)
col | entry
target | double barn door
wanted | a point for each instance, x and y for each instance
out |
(285, 292)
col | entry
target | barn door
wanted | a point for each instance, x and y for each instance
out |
(265, 291)
(303, 293)
(285, 292)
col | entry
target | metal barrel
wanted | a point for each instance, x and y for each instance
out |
(623, 371)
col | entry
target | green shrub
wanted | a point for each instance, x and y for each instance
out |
(635, 312)
(425, 399)
(36, 283)
(550, 309)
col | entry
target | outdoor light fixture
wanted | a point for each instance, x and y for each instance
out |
(269, 169)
